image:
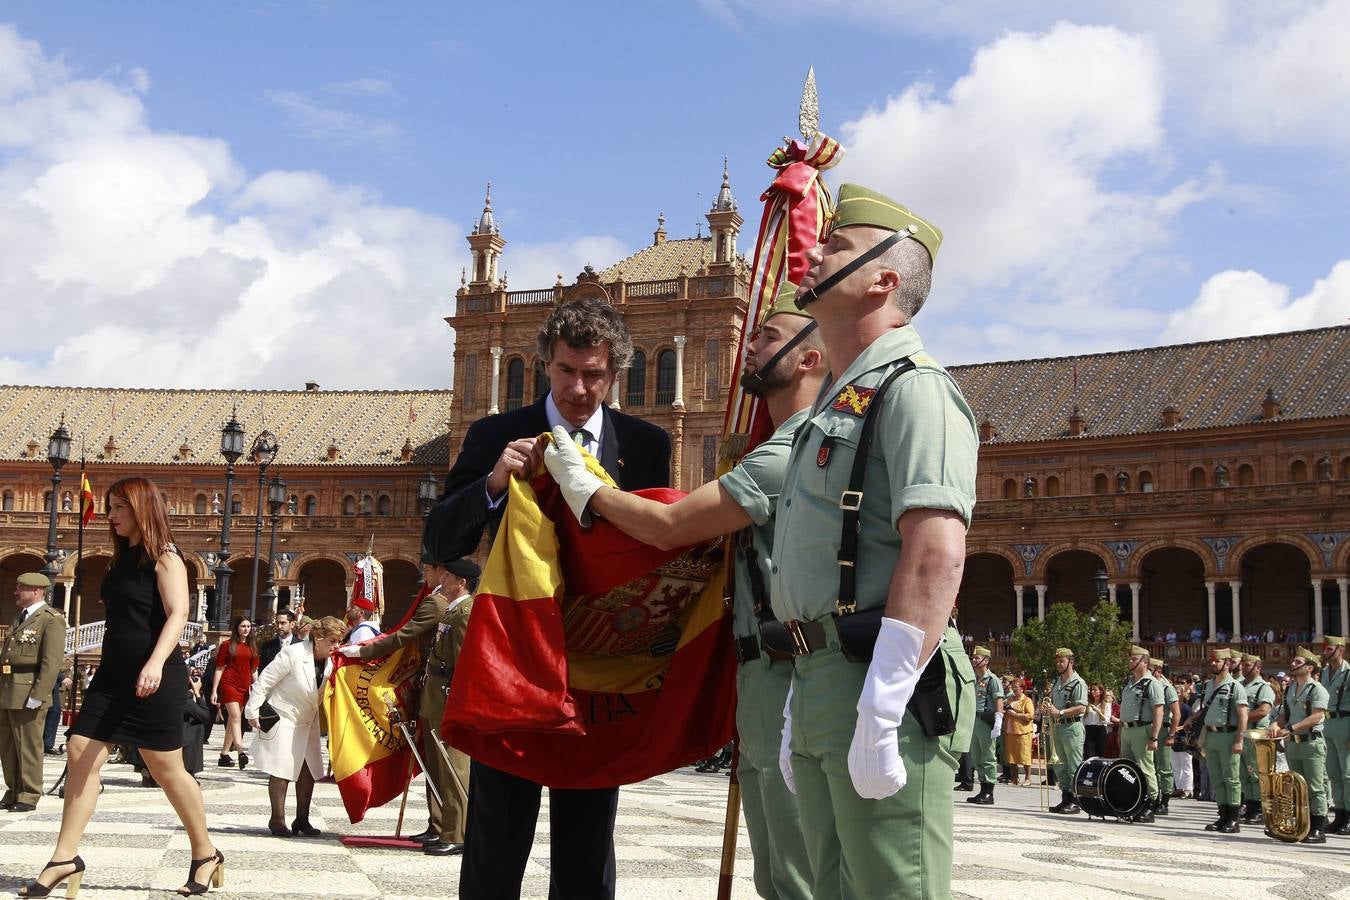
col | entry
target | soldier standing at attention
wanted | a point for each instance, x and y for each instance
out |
(1142, 705)
(1300, 721)
(30, 661)
(1225, 721)
(988, 706)
(458, 581)
(868, 551)
(1162, 757)
(1336, 679)
(1260, 699)
(1066, 704)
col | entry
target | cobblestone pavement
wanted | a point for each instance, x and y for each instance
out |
(669, 839)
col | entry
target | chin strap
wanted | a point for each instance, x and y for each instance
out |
(811, 295)
(753, 382)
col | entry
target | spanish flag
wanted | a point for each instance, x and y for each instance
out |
(371, 761)
(591, 659)
(86, 501)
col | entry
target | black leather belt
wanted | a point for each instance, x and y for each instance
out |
(1303, 738)
(18, 668)
(1137, 724)
(749, 648)
(807, 637)
(1068, 720)
(1221, 729)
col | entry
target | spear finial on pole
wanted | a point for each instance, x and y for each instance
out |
(808, 116)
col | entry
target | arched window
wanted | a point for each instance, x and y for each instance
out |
(636, 394)
(1101, 484)
(386, 505)
(7, 501)
(199, 505)
(46, 501)
(349, 505)
(311, 505)
(1246, 475)
(1052, 486)
(1010, 489)
(541, 383)
(1146, 482)
(1198, 478)
(1298, 470)
(515, 383)
(237, 507)
(665, 377)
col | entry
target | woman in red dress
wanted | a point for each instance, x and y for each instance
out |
(236, 666)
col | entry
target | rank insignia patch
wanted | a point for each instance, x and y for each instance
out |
(854, 400)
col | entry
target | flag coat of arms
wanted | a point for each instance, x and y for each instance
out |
(591, 659)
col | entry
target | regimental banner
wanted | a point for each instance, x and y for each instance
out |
(370, 758)
(591, 659)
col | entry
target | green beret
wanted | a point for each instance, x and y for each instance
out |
(1334, 641)
(1310, 657)
(981, 651)
(857, 205)
(464, 568)
(34, 580)
(786, 303)
(1064, 651)
(1136, 650)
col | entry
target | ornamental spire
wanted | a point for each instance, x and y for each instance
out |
(486, 224)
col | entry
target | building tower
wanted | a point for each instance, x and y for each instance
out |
(725, 223)
(486, 242)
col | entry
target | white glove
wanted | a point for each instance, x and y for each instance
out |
(33, 703)
(785, 745)
(568, 468)
(351, 651)
(998, 726)
(874, 756)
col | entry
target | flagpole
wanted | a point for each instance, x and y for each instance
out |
(75, 589)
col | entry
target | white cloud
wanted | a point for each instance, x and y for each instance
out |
(321, 122)
(363, 87)
(1233, 304)
(130, 257)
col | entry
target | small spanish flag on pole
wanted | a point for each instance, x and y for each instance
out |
(86, 501)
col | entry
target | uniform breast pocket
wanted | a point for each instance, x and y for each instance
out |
(836, 440)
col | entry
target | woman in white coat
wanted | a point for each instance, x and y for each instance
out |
(288, 750)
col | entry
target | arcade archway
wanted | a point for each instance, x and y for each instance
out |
(987, 603)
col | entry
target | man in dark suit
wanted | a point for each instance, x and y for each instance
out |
(584, 346)
(283, 623)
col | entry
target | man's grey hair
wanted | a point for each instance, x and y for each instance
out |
(587, 323)
(910, 260)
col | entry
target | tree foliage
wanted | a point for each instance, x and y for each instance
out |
(1099, 639)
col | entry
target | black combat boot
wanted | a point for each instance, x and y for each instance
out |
(1230, 824)
(964, 786)
(1145, 815)
(1317, 833)
(1068, 805)
(1221, 820)
(1340, 824)
(985, 797)
(1160, 808)
(1251, 812)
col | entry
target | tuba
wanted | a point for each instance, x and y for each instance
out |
(1284, 795)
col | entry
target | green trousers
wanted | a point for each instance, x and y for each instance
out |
(782, 870)
(1162, 762)
(899, 847)
(1223, 765)
(21, 753)
(982, 756)
(1134, 747)
(1251, 784)
(1069, 749)
(1336, 732)
(1309, 759)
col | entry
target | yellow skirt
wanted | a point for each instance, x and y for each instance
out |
(1017, 749)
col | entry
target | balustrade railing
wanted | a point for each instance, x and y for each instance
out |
(542, 297)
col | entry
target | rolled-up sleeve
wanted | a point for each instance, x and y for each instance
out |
(928, 438)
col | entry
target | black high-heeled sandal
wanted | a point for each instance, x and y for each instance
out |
(302, 827)
(194, 886)
(72, 879)
(243, 760)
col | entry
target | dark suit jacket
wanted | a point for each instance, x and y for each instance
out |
(635, 453)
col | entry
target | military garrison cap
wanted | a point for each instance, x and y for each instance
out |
(1309, 657)
(786, 303)
(981, 651)
(34, 580)
(1064, 651)
(1155, 662)
(1334, 641)
(859, 206)
(1221, 653)
(1136, 650)
(1251, 658)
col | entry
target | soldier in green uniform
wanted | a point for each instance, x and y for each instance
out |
(1301, 722)
(30, 661)
(786, 368)
(868, 551)
(1336, 679)
(988, 707)
(1260, 699)
(1224, 721)
(1064, 706)
(1142, 708)
(1162, 757)
(458, 581)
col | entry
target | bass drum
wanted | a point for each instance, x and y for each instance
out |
(1110, 787)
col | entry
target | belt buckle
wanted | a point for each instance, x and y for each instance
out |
(4, 670)
(851, 501)
(799, 645)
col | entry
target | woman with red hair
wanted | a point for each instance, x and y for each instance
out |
(236, 667)
(138, 695)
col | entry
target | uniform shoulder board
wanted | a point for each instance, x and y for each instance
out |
(853, 400)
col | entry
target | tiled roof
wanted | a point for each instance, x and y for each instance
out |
(1211, 384)
(668, 259)
(151, 426)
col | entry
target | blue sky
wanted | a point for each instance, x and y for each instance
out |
(293, 181)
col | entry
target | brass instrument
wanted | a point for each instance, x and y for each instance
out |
(1046, 749)
(1284, 795)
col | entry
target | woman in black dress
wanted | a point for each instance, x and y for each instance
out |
(140, 690)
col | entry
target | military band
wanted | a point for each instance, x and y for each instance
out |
(1142, 700)
(1260, 701)
(1065, 707)
(1162, 755)
(988, 709)
(1300, 722)
(1223, 716)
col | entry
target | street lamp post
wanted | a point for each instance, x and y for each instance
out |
(231, 447)
(58, 454)
(1102, 584)
(263, 452)
(276, 498)
(426, 491)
